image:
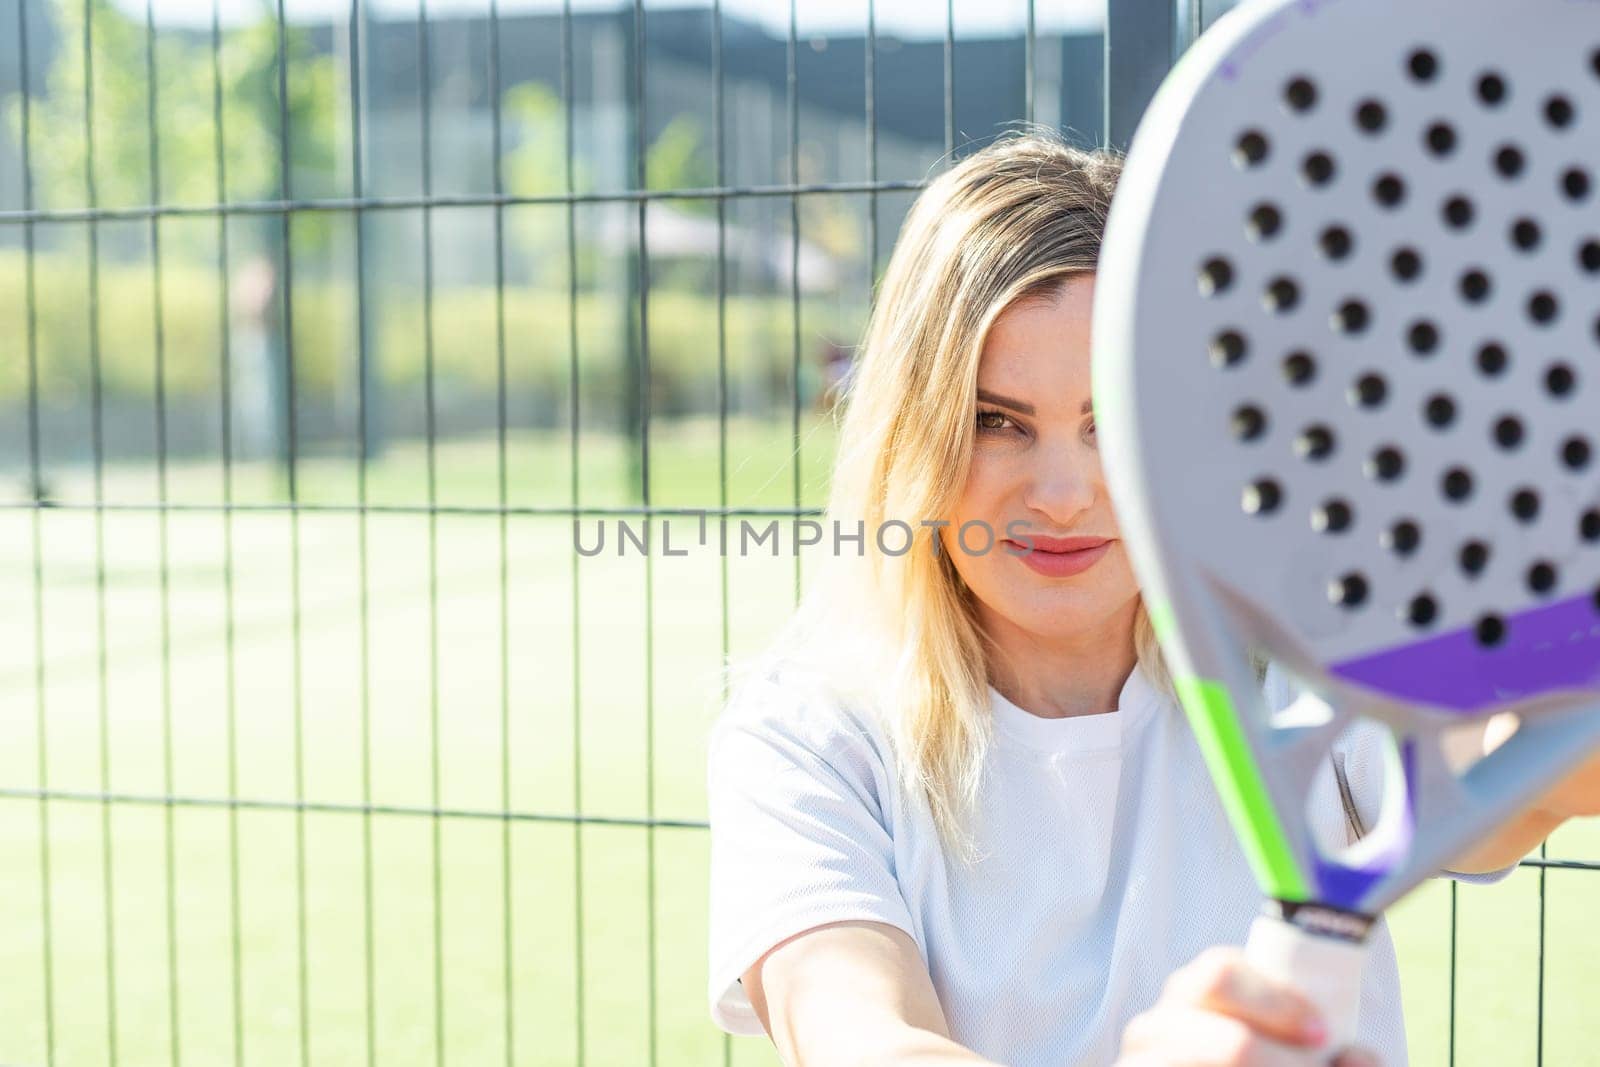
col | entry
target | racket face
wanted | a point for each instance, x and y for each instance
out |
(1347, 383)
(1348, 341)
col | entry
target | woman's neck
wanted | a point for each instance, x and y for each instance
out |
(1063, 676)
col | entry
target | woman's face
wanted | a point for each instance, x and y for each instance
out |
(1036, 473)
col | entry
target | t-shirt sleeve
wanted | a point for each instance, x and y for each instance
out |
(799, 836)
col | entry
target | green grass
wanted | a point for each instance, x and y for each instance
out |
(609, 762)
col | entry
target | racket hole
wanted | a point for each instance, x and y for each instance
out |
(1228, 349)
(1576, 453)
(1589, 257)
(1440, 411)
(1265, 222)
(1473, 557)
(1458, 212)
(1407, 264)
(1475, 287)
(1389, 191)
(1509, 161)
(1369, 391)
(1318, 169)
(1216, 277)
(1543, 308)
(1508, 432)
(1251, 150)
(1526, 235)
(1423, 337)
(1559, 112)
(1336, 243)
(1352, 317)
(1249, 423)
(1423, 65)
(1315, 443)
(1525, 505)
(1301, 95)
(1402, 538)
(1386, 464)
(1349, 591)
(1299, 369)
(1262, 497)
(1490, 631)
(1281, 297)
(1457, 484)
(1372, 116)
(1492, 360)
(1492, 89)
(1422, 610)
(1441, 139)
(1541, 578)
(1589, 525)
(1560, 380)
(1575, 183)
(1334, 516)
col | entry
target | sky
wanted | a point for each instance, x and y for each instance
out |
(908, 19)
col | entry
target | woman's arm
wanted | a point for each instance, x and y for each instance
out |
(852, 993)
(1576, 795)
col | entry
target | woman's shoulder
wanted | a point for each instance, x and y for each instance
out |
(805, 712)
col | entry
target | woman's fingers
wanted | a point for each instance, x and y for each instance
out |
(1356, 1058)
(1219, 980)
(1193, 1037)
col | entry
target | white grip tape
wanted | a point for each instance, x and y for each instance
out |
(1326, 970)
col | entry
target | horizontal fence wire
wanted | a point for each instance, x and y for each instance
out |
(286, 206)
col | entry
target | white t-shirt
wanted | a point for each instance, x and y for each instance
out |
(1108, 864)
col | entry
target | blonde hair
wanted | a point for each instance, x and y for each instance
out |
(899, 633)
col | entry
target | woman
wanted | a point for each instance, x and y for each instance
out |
(956, 813)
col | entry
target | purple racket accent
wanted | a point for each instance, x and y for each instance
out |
(1547, 649)
(1344, 886)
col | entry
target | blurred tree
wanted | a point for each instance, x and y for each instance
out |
(185, 116)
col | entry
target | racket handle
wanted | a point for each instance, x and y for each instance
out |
(1326, 970)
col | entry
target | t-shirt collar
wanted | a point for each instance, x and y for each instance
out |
(1076, 733)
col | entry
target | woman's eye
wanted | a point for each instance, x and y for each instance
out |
(992, 420)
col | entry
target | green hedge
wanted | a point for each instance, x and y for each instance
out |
(683, 335)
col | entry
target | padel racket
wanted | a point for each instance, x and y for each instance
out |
(1347, 384)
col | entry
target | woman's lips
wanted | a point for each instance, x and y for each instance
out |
(1059, 564)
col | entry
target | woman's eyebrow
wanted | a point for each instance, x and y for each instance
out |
(1017, 405)
(1004, 401)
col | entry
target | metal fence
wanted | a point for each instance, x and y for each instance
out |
(327, 325)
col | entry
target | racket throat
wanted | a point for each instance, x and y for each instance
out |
(1322, 920)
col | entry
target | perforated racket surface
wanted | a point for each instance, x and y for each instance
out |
(1347, 382)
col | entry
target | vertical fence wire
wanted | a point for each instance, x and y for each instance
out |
(229, 616)
(719, 158)
(508, 982)
(286, 304)
(36, 528)
(950, 83)
(1452, 1013)
(163, 566)
(107, 863)
(642, 178)
(568, 93)
(425, 108)
(356, 36)
(793, 102)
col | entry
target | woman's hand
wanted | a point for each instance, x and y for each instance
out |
(1218, 1012)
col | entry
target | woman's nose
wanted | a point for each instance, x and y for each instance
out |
(1062, 486)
